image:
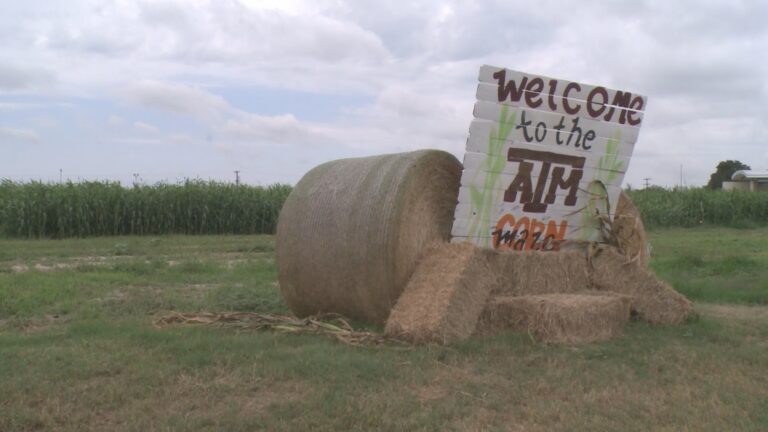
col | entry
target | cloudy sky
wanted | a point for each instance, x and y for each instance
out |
(175, 89)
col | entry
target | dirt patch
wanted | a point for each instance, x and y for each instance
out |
(19, 268)
(64, 264)
(134, 292)
(429, 392)
(35, 324)
(232, 263)
(53, 266)
(224, 390)
(734, 312)
(260, 398)
(229, 260)
(458, 381)
(441, 386)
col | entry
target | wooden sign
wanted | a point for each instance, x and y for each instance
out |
(545, 160)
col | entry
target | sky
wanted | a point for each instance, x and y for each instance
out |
(167, 90)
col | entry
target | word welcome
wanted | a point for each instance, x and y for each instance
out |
(598, 106)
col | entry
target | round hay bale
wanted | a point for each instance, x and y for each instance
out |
(352, 230)
(628, 230)
(557, 318)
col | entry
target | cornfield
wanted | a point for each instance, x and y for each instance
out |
(35, 209)
(687, 207)
(46, 210)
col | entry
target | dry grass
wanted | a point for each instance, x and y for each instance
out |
(731, 313)
(104, 367)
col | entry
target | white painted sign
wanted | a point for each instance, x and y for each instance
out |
(545, 160)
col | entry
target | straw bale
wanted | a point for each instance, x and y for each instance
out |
(536, 272)
(351, 231)
(445, 295)
(628, 230)
(652, 299)
(557, 318)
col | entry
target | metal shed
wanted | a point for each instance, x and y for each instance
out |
(748, 180)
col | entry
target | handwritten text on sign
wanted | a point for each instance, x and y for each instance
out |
(545, 160)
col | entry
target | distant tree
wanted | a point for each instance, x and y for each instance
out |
(724, 171)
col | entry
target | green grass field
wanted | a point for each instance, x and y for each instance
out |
(78, 350)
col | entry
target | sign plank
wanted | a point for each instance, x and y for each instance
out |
(480, 161)
(583, 192)
(577, 217)
(544, 93)
(534, 123)
(562, 225)
(484, 138)
(489, 93)
(532, 242)
(487, 72)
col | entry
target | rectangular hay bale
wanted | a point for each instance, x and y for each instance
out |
(536, 272)
(445, 296)
(651, 298)
(557, 318)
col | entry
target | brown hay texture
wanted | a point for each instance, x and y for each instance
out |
(651, 298)
(445, 296)
(351, 231)
(557, 318)
(628, 231)
(535, 272)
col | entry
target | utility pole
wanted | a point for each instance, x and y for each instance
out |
(237, 177)
(647, 180)
(135, 178)
(681, 176)
(61, 171)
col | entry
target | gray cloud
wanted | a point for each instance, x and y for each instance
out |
(9, 134)
(145, 127)
(177, 98)
(14, 77)
(224, 120)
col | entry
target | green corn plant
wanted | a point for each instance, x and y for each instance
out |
(36, 209)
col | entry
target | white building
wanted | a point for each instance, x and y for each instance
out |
(747, 180)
